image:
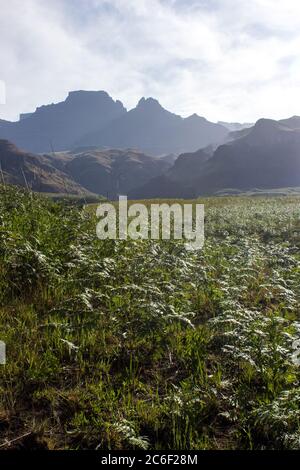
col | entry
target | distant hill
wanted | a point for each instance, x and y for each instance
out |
(113, 172)
(266, 156)
(154, 130)
(57, 126)
(105, 172)
(292, 123)
(34, 171)
(177, 181)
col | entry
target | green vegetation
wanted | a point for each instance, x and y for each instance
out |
(80, 200)
(140, 344)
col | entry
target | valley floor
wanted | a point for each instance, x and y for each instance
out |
(142, 344)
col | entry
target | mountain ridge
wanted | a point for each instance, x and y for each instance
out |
(265, 156)
(57, 126)
(154, 130)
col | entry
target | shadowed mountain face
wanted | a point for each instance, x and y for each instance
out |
(177, 182)
(265, 156)
(155, 131)
(114, 172)
(57, 126)
(34, 171)
(90, 118)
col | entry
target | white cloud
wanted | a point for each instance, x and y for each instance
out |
(224, 59)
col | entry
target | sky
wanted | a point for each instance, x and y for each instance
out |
(231, 60)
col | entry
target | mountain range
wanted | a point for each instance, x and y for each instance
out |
(267, 155)
(93, 118)
(91, 144)
(154, 130)
(112, 172)
(105, 172)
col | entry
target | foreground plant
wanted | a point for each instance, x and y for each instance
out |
(142, 344)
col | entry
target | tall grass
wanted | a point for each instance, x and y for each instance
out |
(142, 344)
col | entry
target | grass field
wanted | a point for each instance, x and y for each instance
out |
(142, 344)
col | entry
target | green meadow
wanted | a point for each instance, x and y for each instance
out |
(145, 345)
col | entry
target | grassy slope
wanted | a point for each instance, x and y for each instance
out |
(142, 344)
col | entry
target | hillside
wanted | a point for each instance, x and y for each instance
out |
(34, 171)
(266, 156)
(177, 181)
(110, 172)
(105, 172)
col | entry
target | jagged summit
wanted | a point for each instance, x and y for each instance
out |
(93, 118)
(154, 130)
(149, 103)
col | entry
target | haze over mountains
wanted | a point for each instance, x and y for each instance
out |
(91, 143)
(235, 126)
(88, 118)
